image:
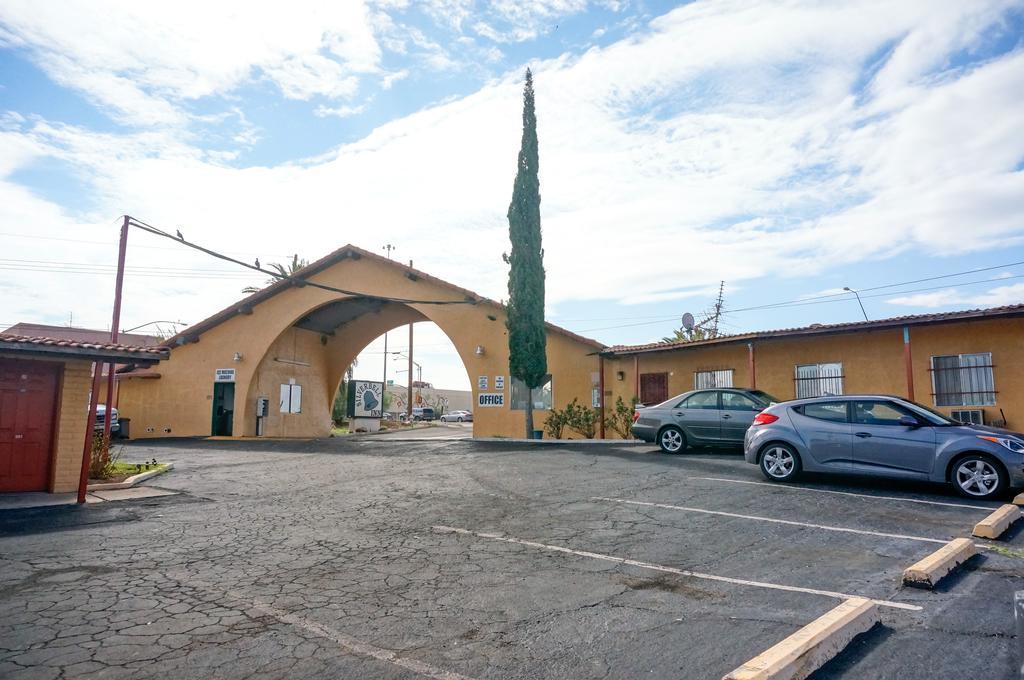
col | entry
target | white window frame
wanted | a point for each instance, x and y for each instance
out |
(970, 398)
(810, 383)
(713, 378)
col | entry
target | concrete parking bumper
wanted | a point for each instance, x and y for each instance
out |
(812, 646)
(932, 569)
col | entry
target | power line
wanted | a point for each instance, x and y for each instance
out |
(886, 286)
(107, 243)
(831, 298)
(295, 281)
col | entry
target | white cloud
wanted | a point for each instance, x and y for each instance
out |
(727, 141)
(994, 297)
(142, 60)
(322, 111)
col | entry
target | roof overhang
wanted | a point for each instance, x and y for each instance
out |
(111, 354)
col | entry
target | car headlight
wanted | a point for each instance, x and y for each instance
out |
(1013, 444)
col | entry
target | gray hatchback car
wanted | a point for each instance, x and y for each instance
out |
(884, 436)
(700, 417)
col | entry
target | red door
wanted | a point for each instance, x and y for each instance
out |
(653, 388)
(28, 393)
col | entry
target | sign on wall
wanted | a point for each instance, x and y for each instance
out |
(481, 383)
(291, 398)
(490, 399)
(224, 375)
(365, 399)
(499, 382)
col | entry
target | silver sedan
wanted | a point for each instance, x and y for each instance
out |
(884, 436)
(700, 418)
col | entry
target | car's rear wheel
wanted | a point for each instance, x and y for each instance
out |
(672, 440)
(978, 476)
(461, 419)
(780, 463)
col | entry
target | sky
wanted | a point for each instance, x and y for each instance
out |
(788, 149)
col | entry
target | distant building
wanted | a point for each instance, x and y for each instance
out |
(425, 394)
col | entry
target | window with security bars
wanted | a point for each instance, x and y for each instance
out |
(819, 380)
(963, 380)
(703, 380)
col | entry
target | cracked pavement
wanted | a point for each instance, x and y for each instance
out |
(320, 559)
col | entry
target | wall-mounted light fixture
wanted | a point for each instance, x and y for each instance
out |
(238, 356)
(479, 350)
(620, 375)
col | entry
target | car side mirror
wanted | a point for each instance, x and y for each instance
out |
(909, 421)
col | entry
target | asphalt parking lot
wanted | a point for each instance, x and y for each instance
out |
(450, 559)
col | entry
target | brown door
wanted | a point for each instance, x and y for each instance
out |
(28, 393)
(653, 388)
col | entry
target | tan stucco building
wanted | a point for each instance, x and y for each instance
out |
(291, 343)
(965, 362)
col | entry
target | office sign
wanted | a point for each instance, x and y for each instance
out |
(224, 375)
(490, 399)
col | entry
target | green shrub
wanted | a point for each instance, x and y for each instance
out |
(582, 419)
(620, 420)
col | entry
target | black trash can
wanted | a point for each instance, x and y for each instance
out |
(124, 424)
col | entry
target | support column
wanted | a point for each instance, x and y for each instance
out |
(408, 406)
(908, 360)
(600, 387)
(636, 377)
(751, 366)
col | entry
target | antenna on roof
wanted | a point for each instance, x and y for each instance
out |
(688, 321)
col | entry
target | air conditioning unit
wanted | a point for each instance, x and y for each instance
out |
(974, 416)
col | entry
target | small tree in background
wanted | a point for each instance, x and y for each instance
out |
(295, 265)
(527, 343)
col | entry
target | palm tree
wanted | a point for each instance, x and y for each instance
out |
(295, 265)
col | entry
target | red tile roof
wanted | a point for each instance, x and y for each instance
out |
(58, 346)
(827, 329)
(39, 330)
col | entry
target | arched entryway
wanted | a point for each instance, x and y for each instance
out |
(306, 330)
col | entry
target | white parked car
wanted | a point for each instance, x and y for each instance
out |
(457, 417)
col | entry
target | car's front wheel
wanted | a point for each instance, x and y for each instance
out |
(780, 463)
(979, 477)
(672, 440)
(461, 419)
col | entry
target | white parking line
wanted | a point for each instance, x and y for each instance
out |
(825, 527)
(353, 646)
(669, 570)
(790, 487)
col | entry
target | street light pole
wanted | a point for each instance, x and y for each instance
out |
(851, 290)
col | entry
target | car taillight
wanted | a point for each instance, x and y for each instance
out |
(764, 419)
(636, 416)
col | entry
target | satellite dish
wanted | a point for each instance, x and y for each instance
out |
(688, 321)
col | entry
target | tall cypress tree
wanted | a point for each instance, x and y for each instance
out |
(526, 338)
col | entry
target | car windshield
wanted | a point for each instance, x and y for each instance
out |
(933, 417)
(764, 396)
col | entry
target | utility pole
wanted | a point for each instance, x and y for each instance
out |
(409, 404)
(388, 247)
(83, 480)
